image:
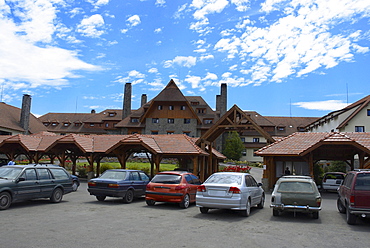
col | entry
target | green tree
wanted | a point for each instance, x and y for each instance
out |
(233, 146)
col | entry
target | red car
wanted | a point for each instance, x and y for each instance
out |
(172, 186)
(354, 195)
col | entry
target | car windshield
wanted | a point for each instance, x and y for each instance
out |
(290, 187)
(166, 179)
(224, 179)
(9, 172)
(116, 175)
(363, 182)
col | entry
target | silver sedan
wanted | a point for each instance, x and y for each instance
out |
(230, 190)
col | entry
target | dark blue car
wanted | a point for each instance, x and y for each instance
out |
(127, 184)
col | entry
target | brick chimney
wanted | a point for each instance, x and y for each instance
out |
(25, 113)
(221, 100)
(127, 101)
(143, 99)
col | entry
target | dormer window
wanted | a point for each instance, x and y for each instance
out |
(201, 110)
(46, 124)
(194, 103)
(78, 124)
(281, 128)
(54, 124)
(66, 124)
(208, 121)
(112, 114)
(135, 120)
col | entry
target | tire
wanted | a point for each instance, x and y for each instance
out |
(5, 200)
(185, 201)
(100, 197)
(351, 218)
(315, 215)
(341, 207)
(74, 186)
(57, 195)
(203, 210)
(150, 202)
(275, 212)
(129, 197)
(262, 203)
(247, 211)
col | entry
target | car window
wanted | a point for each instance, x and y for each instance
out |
(143, 176)
(117, 175)
(250, 181)
(166, 179)
(189, 179)
(224, 179)
(29, 174)
(348, 180)
(134, 176)
(362, 181)
(196, 180)
(59, 174)
(44, 174)
(9, 172)
(302, 187)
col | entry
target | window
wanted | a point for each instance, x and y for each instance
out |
(29, 174)
(154, 132)
(155, 120)
(170, 120)
(54, 124)
(186, 132)
(78, 124)
(112, 114)
(254, 155)
(368, 112)
(359, 129)
(44, 174)
(194, 103)
(182, 107)
(59, 174)
(242, 139)
(208, 121)
(281, 128)
(92, 124)
(160, 107)
(135, 120)
(186, 121)
(106, 124)
(201, 110)
(256, 140)
(170, 132)
(144, 176)
(46, 124)
(171, 107)
(244, 152)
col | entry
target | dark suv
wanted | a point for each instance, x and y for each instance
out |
(25, 182)
(354, 195)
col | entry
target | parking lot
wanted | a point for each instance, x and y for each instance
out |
(82, 221)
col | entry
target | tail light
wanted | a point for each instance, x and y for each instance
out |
(352, 200)
(324, 180)
(180, 187)
(202, 188)
(234, 190)
(113, 185)
(91, 184)
(318, 201)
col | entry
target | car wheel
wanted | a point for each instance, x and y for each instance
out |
(100, 197)
(5, 200)
(185, 202)
(247, 210)
(341, 207)
(129, 197)
(150, 202)
(203, 210)
(315, 215)
(351, 218)
(262, 203)
(74, 186)
(275, 212)
(57, 195)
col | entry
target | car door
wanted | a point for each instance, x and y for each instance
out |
(253, 189)
(137, 183)
(194, 183)
(145, 180)
(46, 181)
(28, 186)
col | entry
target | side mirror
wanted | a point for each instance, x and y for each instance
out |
(259, 184)
(20, 179)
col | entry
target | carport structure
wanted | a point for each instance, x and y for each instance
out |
(96, 147)
(300, 151)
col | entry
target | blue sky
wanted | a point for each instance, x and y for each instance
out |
(278, 57)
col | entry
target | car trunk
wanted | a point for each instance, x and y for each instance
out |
(362, 199)
(218, 191)
(301, 199)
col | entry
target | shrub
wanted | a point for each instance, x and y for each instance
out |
(236, 168)
(105, 167)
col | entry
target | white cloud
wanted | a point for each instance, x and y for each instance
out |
(158, 30)
(133, 76)
(182, 61)
(133, 20)
(206, 7)
(329, 105)
(90, 26)
(160, 2)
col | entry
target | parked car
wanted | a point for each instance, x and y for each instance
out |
(127, 184)
(26, 182)
(332, 180)
(172, 186)
(354, 195)
(230, 190)
(75, 182)
(296, 194)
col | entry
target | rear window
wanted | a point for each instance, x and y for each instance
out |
(334, 176)
(301, 187)
(116, 175)
(224, 179)
(59, 174)
(362, 181)
(167, 179)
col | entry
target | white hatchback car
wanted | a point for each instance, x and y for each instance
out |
(230, 190)
(332, 180)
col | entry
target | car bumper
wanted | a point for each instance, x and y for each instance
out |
(283, 207)
(330, 187)
(360, 211)
(105, 192)
(220, 203)
(164, 197)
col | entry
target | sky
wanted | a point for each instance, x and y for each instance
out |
(301, 58)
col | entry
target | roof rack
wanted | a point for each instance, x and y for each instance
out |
(361, 169)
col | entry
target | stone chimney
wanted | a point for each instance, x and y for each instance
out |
(25, 113)
(143, 99)
(127, 101)
(221, 100)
